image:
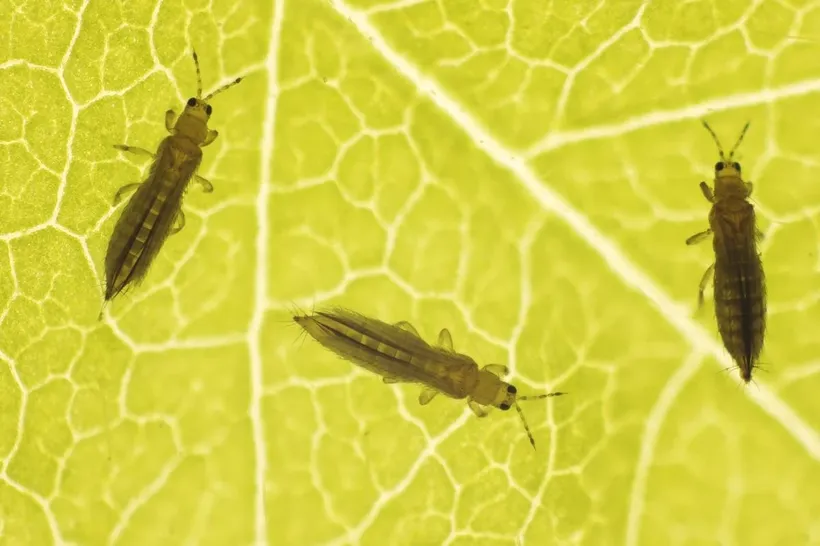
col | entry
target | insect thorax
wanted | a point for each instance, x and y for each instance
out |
(192, 126)
(730, 187)
(183, 150)
(489, 390)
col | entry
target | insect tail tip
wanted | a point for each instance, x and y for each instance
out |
(104, 305)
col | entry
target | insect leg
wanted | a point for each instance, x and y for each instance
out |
(497, 369)
(477, 408)
(134, 150)
(707, 192)
(170, 120)
(707, 276)
(427, 394)
(391, 379)
(128, 188)
(698, 237)
(207, 187)
(407, 327)
(179, 223)
(211, 136)
(445, 340)
(749, 188)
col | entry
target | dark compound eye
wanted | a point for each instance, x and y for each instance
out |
(504, 406)
(736, 166)
(192, 101)
(719, 166)
(208, 109)
(511, 389)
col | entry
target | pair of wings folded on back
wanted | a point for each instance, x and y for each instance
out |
(167, 179)
(739, 275)
(735, 243)
(387, 348)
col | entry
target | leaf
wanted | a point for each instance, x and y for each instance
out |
(522, 173)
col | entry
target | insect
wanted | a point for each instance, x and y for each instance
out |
(739, 282)
(154, 211)
(400, 355)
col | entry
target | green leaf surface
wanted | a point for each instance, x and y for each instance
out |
(521, 172)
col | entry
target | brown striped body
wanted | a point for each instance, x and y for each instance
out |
(389, 351)
(398, 354)
(739, 284)
(149, 215)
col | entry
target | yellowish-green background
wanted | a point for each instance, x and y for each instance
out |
(523, 172)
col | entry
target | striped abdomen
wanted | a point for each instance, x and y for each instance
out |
(740, 291)
(392, 352)
(149, 215)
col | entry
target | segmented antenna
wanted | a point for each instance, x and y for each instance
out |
(720, 149)
(223, 88)
(198, 76)
(521, 413)
(199, 83)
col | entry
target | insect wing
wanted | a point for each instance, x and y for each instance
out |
(414, 358)
(375, 345)
(740, 298)
(389, 334)
(386, 349)
(147, 218)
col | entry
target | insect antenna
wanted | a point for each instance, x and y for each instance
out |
(739, 139)
(223, 88)
(199, 82)
(717, 141)
(526, 426)
(521, 413)
(198, 76)
(540, 396)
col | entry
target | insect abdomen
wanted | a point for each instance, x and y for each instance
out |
(139, 230)
(740, 291)
(389, 351)
(147, 218)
